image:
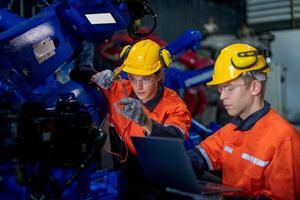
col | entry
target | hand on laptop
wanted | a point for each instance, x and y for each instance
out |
(197, 161)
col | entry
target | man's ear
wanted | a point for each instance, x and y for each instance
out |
(256, 87)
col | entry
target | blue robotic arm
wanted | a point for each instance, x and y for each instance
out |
(32, 49)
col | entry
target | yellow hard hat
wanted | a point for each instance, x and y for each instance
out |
(237, 59)
(144, 58)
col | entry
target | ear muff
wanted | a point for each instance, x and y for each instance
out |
(165, 57)
(124, 53)
(243, 60)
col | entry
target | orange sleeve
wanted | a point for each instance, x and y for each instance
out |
(212, 149)
(296, 162)
(104, 91)
(176, 113)
(118, 90)
(110, 90)
(180, 117)
(280, 177)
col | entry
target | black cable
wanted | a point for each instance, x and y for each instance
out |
(132, 29)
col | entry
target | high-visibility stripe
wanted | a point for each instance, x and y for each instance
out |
(205, 155)
(228, 149)
(254, 160)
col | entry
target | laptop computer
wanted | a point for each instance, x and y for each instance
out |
(166, 163)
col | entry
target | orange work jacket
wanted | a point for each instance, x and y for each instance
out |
(264, 160)
(170, 111)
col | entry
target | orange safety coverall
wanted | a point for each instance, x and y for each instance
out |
(264, 160)
(169, 111)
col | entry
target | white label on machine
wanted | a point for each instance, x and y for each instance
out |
(44, 50)
(101, 18)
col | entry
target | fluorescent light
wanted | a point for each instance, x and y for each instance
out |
(101, 18)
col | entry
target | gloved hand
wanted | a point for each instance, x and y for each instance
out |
(104, 79)
(133, 110)
(197, 161)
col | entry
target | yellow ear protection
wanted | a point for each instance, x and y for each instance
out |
(247, 59)
(124, 53)
(243, 60)
(165, 57)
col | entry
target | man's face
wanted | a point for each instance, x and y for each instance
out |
(145, 87)
(237, 98)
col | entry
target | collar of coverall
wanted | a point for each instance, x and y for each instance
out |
(249, 122)
(150, 105)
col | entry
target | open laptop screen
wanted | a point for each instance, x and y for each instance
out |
(166, 163)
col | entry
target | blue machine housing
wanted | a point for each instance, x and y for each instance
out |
(77, 11)
(37, 43)
(32, 49)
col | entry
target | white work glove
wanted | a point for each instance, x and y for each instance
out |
(133, 110)
(104, 79)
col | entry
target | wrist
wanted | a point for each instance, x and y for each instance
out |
(148, 126)
(93, 78)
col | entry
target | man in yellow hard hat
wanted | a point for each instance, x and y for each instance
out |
(258, 151)
(141, 106)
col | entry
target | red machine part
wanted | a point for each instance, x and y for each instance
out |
(195, 100)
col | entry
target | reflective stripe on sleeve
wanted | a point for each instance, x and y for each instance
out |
(254, 160)
(228, 149)
(204, 154)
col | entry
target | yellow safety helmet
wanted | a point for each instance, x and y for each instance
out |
(144, 58)
(237, 59)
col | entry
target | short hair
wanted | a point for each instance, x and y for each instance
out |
(248, 78)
